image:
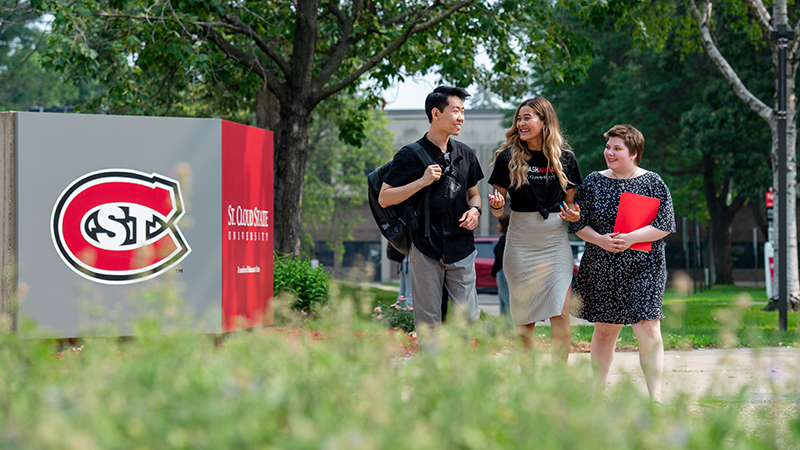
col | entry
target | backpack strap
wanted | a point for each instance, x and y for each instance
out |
(427, 161)
(421, 153)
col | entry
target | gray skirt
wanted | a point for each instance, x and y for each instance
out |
(538, 266)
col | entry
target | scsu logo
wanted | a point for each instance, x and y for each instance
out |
(119, 226)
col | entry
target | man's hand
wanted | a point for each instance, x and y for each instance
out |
(470, 219)
(432, 173)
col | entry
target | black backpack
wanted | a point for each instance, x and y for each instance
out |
(394, 254)
(397, 223)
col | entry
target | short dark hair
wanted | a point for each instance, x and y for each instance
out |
(632, 138)
(438, 99)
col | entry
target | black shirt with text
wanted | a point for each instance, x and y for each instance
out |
(543, 192)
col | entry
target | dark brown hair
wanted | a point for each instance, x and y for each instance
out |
(632, 137)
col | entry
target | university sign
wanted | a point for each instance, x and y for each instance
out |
(113, 210)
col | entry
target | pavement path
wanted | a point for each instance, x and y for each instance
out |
(770, 375)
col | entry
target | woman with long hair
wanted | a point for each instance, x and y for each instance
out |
(539, 173)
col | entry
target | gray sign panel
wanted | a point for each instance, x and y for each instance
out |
(55, 150)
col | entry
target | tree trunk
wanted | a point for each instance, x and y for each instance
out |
(720, 236)
(791, 197)
(291, 151)
(8, 224)
(338, 257)
(721, 247)
(267, 110)
(721, 219)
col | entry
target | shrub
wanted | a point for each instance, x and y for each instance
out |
(310, 285)
(397, 315)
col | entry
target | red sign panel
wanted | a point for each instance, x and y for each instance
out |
(247, 231)
(772, 269)
(770, 198)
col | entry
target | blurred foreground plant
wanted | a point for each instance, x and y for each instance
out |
(289, 388)
(344, 385)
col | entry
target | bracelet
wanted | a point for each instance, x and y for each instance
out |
(496, 209)
(478, 208)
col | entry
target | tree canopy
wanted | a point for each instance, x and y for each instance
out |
(25, 83)
(281, 59)
(710, 148)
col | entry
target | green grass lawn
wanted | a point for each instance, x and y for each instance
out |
(720, 293)
(722, 316)
(374, 296)
(725, 316)
(717, 317)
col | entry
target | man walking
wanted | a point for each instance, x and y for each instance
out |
(442, 253)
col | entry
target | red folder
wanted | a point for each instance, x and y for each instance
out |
(636, 211)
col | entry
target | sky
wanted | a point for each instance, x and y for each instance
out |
(411, 93)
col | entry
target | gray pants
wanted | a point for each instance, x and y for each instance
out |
(428, 277)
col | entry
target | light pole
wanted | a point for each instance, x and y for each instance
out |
(782, 35)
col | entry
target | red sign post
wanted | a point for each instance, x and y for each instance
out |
(770, 197)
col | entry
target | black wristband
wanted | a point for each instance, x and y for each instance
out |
(478, 208)
(496, 209)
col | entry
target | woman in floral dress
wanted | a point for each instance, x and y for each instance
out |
(617, 286)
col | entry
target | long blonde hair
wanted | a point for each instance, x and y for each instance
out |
(554, 144)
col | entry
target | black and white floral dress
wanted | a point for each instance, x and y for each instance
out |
(626, 287)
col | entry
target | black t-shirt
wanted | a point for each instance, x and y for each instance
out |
(543, 192)
(447, 240)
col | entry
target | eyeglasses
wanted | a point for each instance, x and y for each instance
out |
(450, 168)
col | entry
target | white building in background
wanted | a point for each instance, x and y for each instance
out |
(482, 131)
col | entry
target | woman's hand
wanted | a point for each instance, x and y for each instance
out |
(497, 201)
(626, 238)
(612, 242)
(569, 214)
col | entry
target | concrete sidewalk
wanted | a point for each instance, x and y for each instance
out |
(770, 373)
